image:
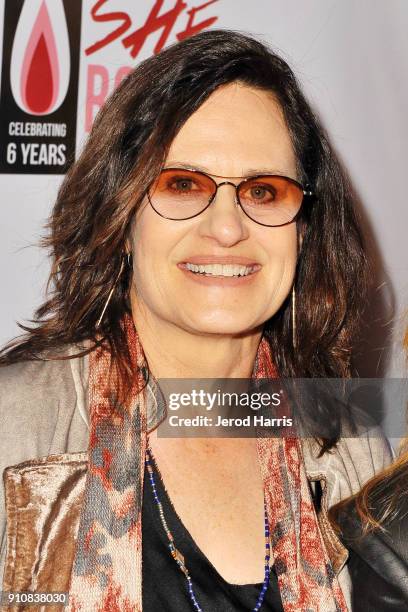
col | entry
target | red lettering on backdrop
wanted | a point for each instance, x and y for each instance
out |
(97, 87)
(98, 80)
(115, 16)
(193, 29)
(155, 21)
(121, 74)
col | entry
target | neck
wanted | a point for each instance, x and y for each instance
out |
(173, 352)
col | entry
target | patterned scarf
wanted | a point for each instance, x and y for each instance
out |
(107, 570)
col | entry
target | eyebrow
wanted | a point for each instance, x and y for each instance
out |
(249, 171)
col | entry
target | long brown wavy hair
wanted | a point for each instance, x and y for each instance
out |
(379, 501)
(124, 153)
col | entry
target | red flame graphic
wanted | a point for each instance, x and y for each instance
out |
(40, 75)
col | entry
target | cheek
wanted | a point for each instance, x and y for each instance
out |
(152, 241)
(281, 247)
(281, 254)
(148, 233)
(143, 241)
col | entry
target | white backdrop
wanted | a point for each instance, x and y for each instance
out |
(351, 57)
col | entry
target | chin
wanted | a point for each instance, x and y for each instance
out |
(225, 325)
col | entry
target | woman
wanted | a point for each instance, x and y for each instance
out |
(204, 201)
(374, 526)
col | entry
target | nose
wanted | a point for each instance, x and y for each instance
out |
(224, 220)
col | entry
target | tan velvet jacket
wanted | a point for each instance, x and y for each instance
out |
(43, 459)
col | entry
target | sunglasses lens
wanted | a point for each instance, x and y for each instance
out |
(271, 200)
(180, 194)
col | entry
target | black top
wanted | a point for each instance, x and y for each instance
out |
(378, 561)
(164, 584)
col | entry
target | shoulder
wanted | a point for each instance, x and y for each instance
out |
(33, 396)
(349, 465)
(33, 377)
(35, 383)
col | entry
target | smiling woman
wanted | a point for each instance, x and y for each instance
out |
(205, 200)
(207, 227)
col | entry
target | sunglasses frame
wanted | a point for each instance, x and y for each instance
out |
(307, 193)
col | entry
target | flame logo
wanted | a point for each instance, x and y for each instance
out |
(40, 58)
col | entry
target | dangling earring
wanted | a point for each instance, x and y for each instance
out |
(113, 288)
(293, 316)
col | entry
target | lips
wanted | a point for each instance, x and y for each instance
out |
(220, 269)
(227, 271)
(214, 259)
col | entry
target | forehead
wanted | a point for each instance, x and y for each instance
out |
(238, 130)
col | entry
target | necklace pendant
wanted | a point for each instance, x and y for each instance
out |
(178, 556)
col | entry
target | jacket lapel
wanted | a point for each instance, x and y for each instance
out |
(43, 504)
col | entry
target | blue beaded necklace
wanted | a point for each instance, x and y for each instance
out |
(178, 557)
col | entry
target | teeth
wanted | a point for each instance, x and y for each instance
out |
(220, 269)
